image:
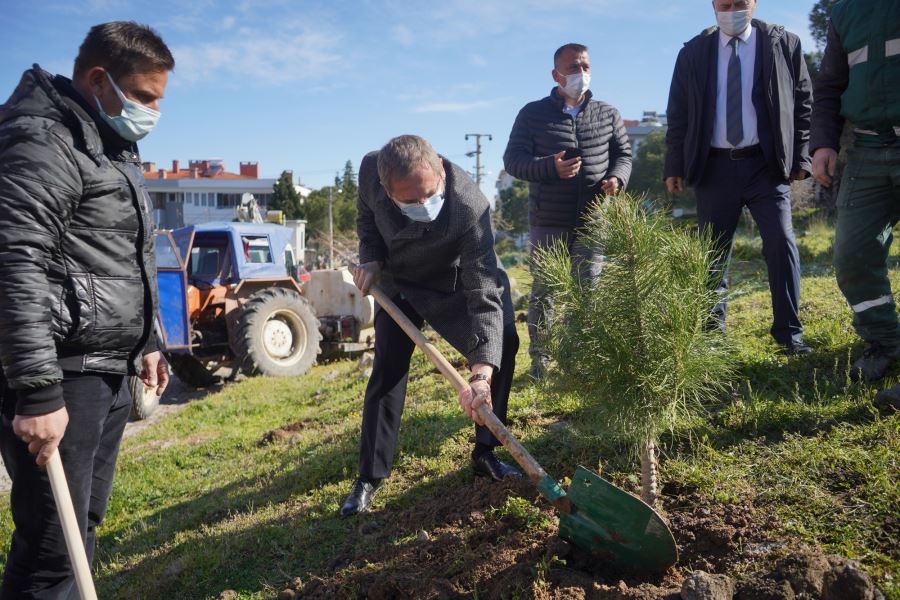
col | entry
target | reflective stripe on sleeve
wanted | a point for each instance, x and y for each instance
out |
(858, 57)
(892, 47)
(863, 306)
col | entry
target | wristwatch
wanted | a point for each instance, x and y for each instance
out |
(479, 377)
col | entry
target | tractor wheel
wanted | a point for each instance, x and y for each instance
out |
(277, 334)
(143, 399)
(191, 371)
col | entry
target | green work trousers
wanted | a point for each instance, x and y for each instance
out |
(868, 207)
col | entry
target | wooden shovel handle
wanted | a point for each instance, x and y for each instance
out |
(517, 450)
(71, 531)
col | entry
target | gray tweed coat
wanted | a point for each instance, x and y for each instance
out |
(447, 269)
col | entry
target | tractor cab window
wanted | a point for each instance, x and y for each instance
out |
(206, 261)
(167, 256)
(289, 261)
(256, 249)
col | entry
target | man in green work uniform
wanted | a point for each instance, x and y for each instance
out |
(860, 82)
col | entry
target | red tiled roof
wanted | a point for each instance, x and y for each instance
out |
(186, 174)
(630, 123)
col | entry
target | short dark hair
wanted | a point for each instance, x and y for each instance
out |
(123, 48)
(400, 157)
(577, 48)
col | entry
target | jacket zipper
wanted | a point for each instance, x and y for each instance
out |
(142, 236)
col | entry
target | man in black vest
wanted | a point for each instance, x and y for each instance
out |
(570, 147)
(739, 114)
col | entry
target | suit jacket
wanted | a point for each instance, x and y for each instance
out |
(447, 269)
(782, 97)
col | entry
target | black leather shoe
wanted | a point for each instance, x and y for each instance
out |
(795, 348)
(488, 465)
(360, 497)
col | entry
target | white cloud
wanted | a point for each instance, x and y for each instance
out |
(478, 60)
(454, 107)
(228, 22)
(281, 57)
(402, 35)
(450, 21)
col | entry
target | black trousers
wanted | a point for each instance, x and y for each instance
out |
(386, 391)
(38, 565)
(726, 187)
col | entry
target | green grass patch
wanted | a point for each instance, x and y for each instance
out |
(201, 503)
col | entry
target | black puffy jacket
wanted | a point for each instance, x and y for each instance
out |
(543, 129)
(77, 265)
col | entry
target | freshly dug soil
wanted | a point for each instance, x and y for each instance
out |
(287, 433)
(464, 545)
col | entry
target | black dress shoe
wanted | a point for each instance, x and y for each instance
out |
(795, 348)
(488, 465)
(360, 497)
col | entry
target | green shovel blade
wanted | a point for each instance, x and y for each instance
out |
(616, 527)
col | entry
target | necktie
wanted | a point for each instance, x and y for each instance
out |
(734, 124)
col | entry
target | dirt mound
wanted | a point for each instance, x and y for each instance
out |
(808, 573)
(499, 541)
(287, 433)
(715, 537)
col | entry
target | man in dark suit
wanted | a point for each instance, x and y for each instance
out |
(425, 237)
(739, 113)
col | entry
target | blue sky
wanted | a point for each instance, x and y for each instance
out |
(306, 85)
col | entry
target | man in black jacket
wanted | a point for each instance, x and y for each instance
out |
(570, 148)
(79, 294)
(739, 112)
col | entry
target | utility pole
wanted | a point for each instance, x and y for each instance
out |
(330, 228)
(477, 152)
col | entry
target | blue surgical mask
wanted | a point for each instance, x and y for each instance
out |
(136, 120)
(425, 212)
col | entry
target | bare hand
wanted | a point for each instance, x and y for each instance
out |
(610, 186)
(366, 275)
(824, 164)
(566, 169)
(675, 185)
(42, 433)
(155, 372)
(474, 396)
(799, 175)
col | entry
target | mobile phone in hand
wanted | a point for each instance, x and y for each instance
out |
(571, 153)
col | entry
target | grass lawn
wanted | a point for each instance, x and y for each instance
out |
(204, 501)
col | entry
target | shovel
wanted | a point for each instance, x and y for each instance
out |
(71, 531)
(608, 522)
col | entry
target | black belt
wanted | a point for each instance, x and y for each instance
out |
(737, 153)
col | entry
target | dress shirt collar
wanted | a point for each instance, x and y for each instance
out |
(724, 38)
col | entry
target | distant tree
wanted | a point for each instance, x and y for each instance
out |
(285, 197)
(818, 21)
(818, 27)
(315, 211)
(512, 208)
(647, 173)
(345, 199)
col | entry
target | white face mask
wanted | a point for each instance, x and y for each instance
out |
(425, 212)
(136, 120)
(734, 22)
(577, 84)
